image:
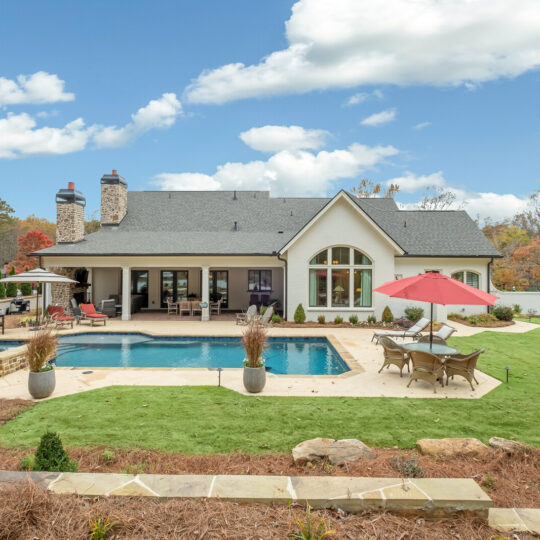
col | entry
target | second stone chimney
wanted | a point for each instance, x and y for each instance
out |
(69, 215)
(113, 198)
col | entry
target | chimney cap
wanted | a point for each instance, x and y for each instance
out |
(113, 179)
(70, 195)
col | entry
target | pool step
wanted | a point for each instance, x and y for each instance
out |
(431, 497)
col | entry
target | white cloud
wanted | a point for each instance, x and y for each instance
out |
(378, 119)
(159, 113)
(40, 87)
(20, 135)
(410, 182)
(360, 97)
(346, 43)
(276, 138)
(287, 172)
(422, 125)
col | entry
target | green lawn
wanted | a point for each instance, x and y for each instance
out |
(535, 320)
(200, 420)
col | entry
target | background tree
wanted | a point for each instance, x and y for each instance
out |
(28, 243)
(529, 220)
(367, 189)
(12, 287)
(6, 219)
(93, 223)
(437, 198)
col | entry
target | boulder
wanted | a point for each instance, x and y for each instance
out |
(337, 452)
(452, 447)
(507, 445)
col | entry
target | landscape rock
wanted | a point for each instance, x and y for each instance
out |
(452, 447)
(507, 445)
(337, 452)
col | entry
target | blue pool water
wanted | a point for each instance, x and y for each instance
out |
(5, 345)
(294, 356)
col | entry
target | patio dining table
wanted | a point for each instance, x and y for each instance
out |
(435, 348)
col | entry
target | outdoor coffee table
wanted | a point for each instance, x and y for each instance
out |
(435, 348)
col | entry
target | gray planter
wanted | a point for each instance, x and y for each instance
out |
(254, 379)
(41, 385)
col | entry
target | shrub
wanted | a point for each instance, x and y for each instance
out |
(482, 319)
(263, 310)
(40, 349)
(51, 456)
(26, 463)
(517, 309)
(353, 319)
(414, 314)
(338, 320)
(321, 319)
(2, 290)
(408, 468)
(387, 316)
(458, 316)
(503, 313)
(311, 530)
(254, 339)
(108, 455)
(138, 468)
(275, 318)
(11, 290)
(300, 315)
(371, 319)
(26, 289)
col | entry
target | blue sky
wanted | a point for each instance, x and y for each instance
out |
(243, 94)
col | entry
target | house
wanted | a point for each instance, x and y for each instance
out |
(327, 254)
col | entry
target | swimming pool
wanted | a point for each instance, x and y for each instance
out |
(5, 345)
(291, 356)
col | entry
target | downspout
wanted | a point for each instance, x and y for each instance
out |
(284, 286)
(489, 280)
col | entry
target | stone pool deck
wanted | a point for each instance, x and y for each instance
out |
(354, 345)
(433, 497)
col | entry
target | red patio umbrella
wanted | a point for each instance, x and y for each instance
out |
(436, 288)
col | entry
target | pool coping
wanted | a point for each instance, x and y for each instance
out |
(354, 367)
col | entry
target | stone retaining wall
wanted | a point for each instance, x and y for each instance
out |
(12, 360)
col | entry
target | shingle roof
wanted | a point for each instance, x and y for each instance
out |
(203, 223)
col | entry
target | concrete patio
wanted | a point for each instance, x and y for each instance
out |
(354, 345)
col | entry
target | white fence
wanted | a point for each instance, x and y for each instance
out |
(527, 300)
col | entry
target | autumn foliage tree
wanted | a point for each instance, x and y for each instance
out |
(28, 243)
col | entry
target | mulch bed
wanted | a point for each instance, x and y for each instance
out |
(10, 408)
(29, 512)
(494, 324)
(510, 480)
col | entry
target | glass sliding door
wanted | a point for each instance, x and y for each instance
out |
(139, 287)
(174, 285)
(218, 286)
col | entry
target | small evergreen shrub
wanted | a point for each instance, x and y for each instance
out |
(458, 316)
(387, 316)
(26, 289)
(263, 310)
(482, 319)
(2, 290)
(338, 320)
(300, 315)
(517, 309)
(51, 456)
(409, 468)
(11, 290)
(26, 463)
(275, 318)
(321, 319)
(353, 319)
(414, 314)
(503, 313)
(371, 319)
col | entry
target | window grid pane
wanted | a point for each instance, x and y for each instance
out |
(340, 288)
(318, 287)
(360, 258)
(340, 255)
(473, 279)
(320, 258)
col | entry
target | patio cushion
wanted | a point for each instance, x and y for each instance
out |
(90, 311)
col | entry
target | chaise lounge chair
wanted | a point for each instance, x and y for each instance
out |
(394, 354)
(464, 365)
(266, 318)
(89, 313)
(248, 316)
(58, 315)
(412, 332)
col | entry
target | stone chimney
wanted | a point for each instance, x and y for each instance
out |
(113, 198)
(69, 215)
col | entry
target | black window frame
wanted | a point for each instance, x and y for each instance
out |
(258, 280)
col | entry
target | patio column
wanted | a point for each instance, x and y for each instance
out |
(205, 316)
(126, 293)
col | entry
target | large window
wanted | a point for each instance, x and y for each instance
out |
(340, 277)
(259, 280)
(139, 285)
(470, 278)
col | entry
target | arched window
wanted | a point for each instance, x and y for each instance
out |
(468, 277)
(340, 277)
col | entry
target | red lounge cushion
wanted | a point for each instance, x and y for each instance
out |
(96, 316)
(64, 318)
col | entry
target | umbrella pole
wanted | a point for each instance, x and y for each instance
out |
(431, 329)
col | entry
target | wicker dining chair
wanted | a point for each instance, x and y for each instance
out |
(394, 354)
(436, 339)
(426, 367)
(464, 365)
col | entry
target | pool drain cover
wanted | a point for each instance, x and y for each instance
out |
(87, 372)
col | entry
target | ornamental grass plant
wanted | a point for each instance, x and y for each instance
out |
(40, 349)
(254, 339)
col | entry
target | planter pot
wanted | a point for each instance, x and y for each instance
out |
(41, 385)
(254, 379)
